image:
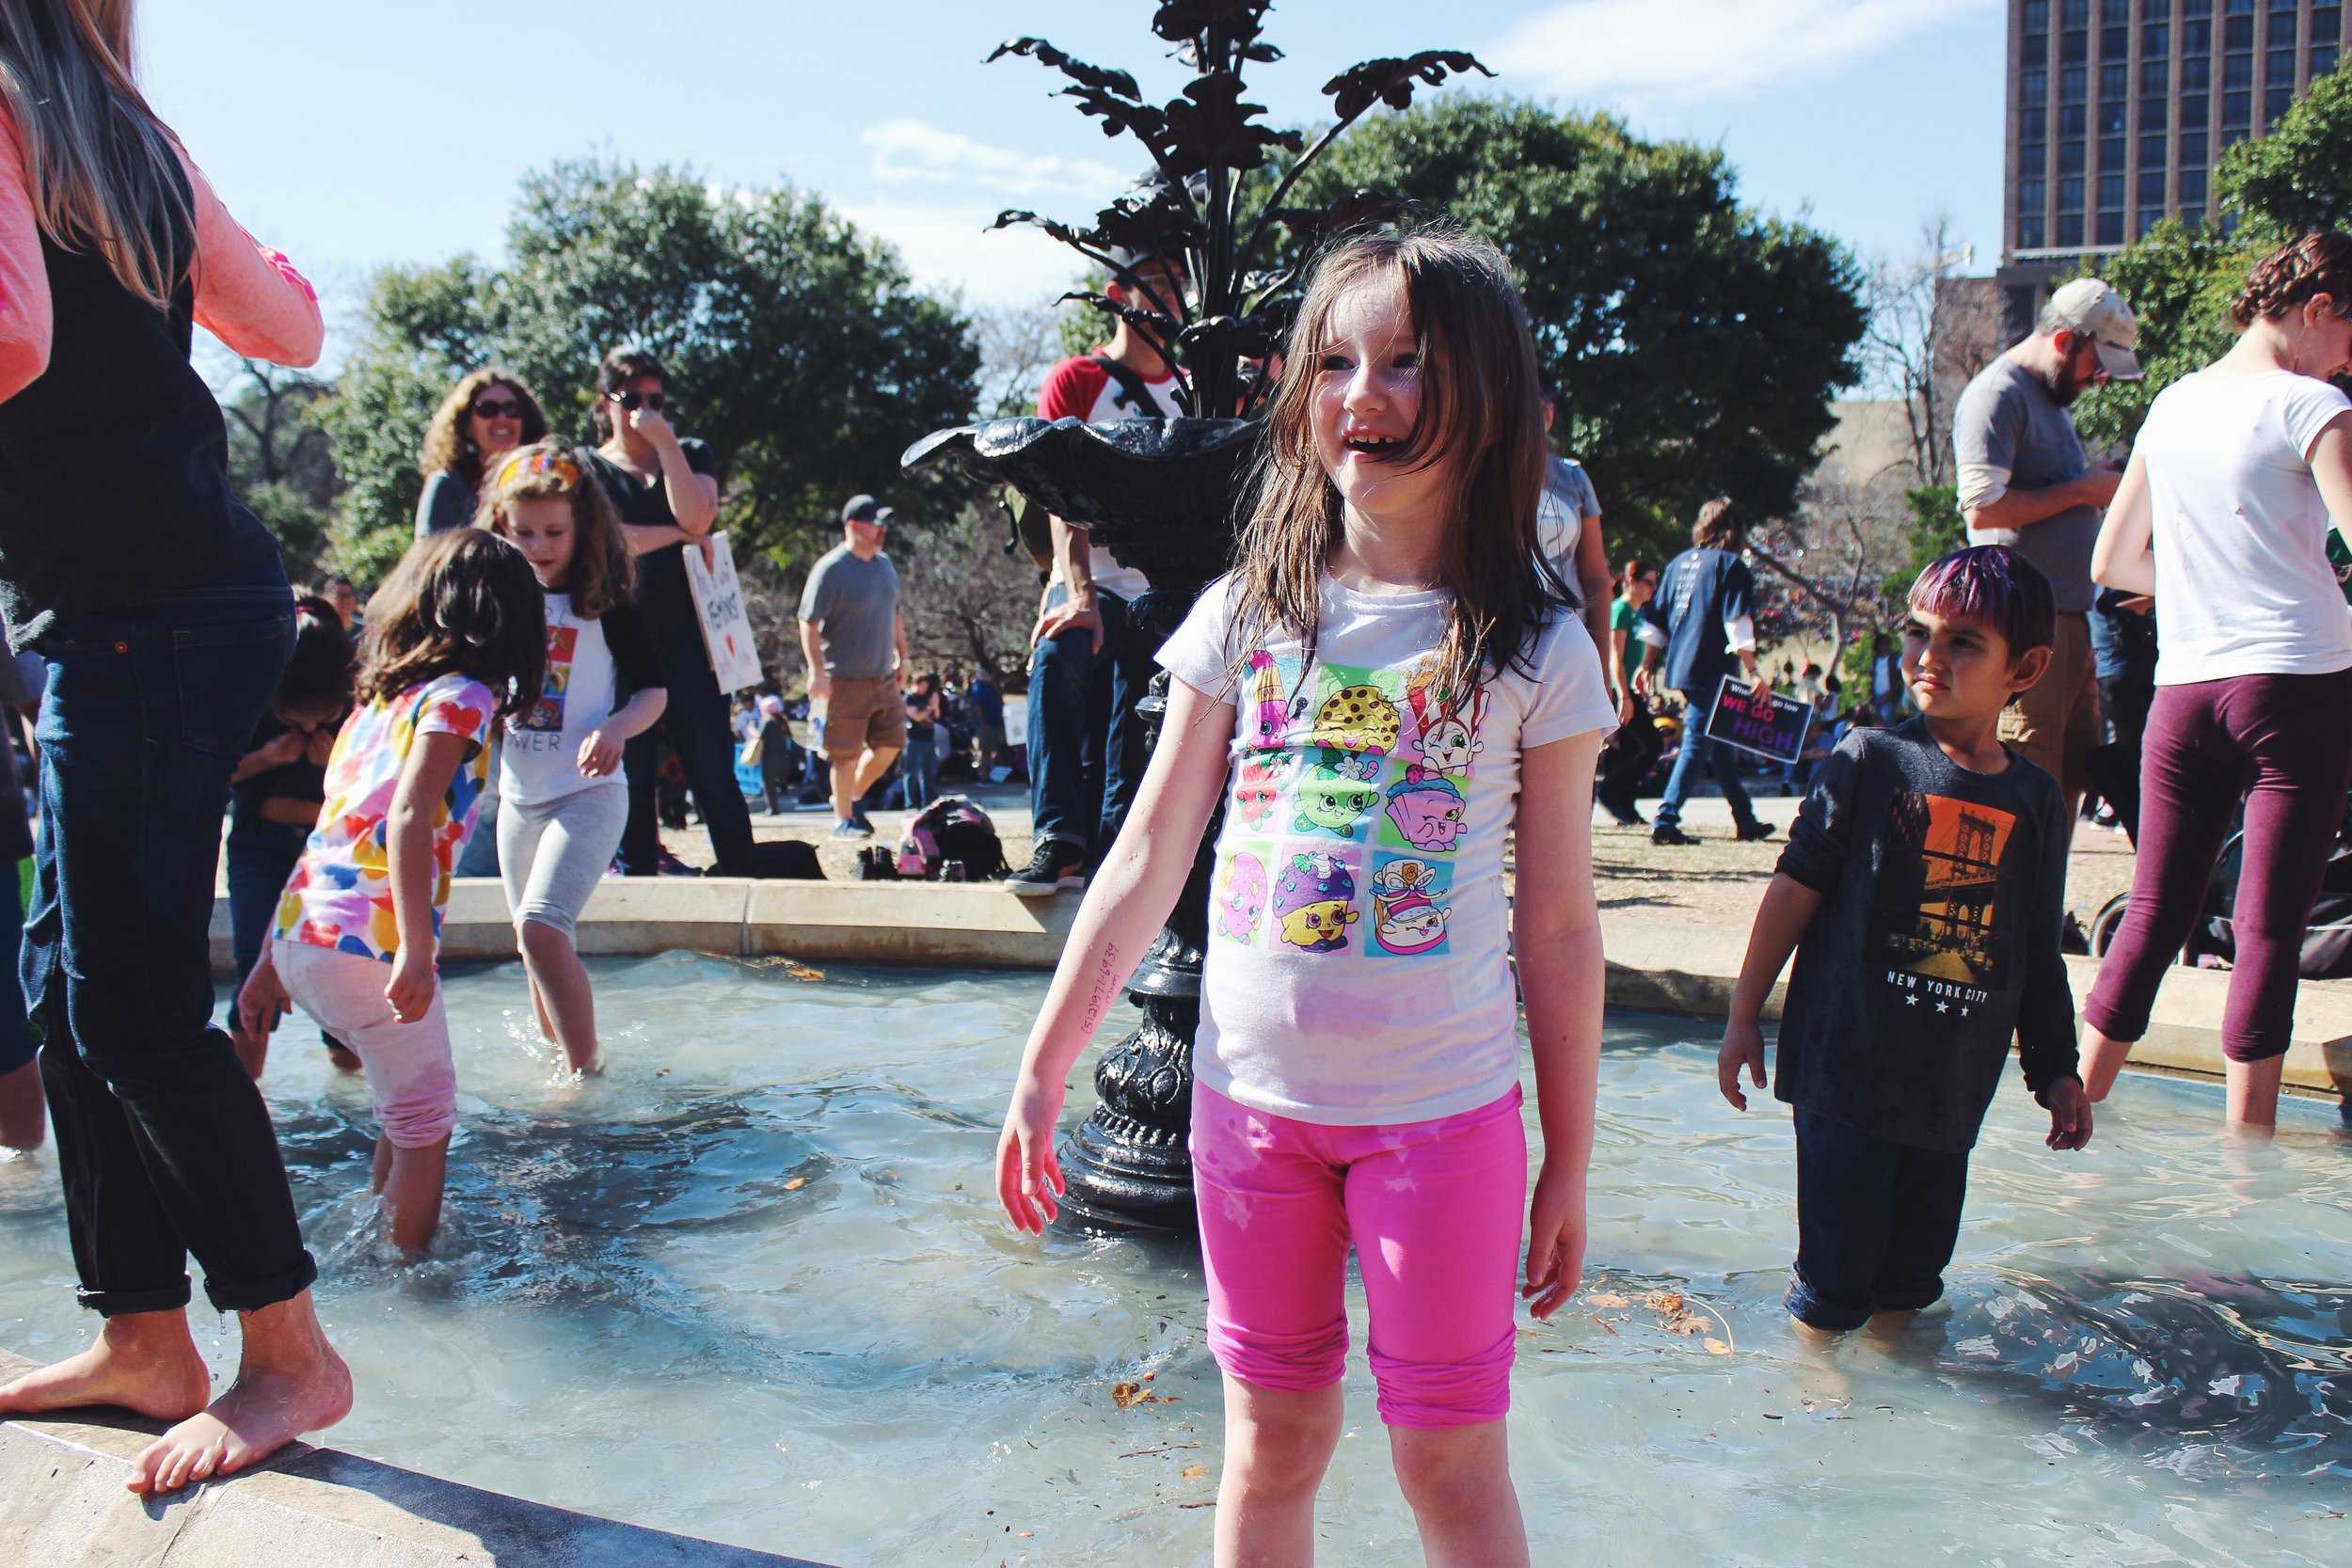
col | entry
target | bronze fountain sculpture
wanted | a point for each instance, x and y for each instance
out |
(1162, 494)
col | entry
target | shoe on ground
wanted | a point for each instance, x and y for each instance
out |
(863, 821)
(1055, 865)
(1751, 832)
(1666, 832)
(670, 865)
(851, 831)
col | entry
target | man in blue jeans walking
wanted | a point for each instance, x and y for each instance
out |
(1704, 604)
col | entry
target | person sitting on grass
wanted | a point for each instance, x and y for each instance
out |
(1922, 890)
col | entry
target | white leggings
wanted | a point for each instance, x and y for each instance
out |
(553, 853)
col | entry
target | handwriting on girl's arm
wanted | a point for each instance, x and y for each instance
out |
(1105, 988)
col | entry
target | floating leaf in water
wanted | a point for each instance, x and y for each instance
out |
(1606, 1298)
(1715, 1346)
(796, 1184)
(1193, 1472)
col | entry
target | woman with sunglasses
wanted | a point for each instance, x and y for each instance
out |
(665, 490)
(486, 415)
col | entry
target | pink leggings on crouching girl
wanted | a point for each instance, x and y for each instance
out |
(1434, 1210)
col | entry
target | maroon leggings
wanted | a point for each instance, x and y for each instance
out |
(2284, 742)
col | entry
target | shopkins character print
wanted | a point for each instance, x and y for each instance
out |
(1445, 741)
(1357, 719)
(1265, 696)
(1428, 812)
(1256, 786)
(1315, 903)
(1244, 899)
(1405, 917)
(1338, 794)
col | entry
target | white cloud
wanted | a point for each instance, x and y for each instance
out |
(910, 150)
(947, 246)
(1600, 50)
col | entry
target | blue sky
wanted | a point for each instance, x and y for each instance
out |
(357, 133)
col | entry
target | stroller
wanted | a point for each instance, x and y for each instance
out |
(2327, 935)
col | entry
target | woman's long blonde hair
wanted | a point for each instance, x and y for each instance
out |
(1481, 411)
(102, 170)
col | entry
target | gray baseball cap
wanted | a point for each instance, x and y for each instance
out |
(2098, 312)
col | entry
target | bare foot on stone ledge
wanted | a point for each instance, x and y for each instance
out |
(143, 1362)
(290, 1382)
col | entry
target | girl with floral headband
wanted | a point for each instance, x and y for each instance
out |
(456, 642)
(566, 798)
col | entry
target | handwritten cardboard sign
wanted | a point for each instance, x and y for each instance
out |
(1757, 718)
(726, 619)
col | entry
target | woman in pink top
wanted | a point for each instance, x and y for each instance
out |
(163, 613)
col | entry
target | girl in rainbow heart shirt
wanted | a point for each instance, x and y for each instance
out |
(1387, 688)
(456, 642)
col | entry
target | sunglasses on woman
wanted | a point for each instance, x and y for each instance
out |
(634, 401)
(497, 408)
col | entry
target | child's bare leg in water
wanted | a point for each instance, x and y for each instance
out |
(1277, 1444)
(410, 1182)
(561, 991)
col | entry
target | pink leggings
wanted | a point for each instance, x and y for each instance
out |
(1433, 1210)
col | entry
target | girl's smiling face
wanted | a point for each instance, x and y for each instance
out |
(541, 527)
(1369, 378)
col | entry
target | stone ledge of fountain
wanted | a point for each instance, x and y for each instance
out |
(62, 1505)
(1654, 965)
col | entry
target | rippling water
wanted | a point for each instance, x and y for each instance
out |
(753, 1286)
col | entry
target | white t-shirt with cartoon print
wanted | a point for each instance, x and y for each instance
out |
(1357, 969)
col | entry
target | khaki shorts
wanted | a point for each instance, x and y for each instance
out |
(863, 716)
(2054, 723)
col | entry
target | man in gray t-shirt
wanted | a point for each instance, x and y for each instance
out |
(856, 645)
(2025, 482)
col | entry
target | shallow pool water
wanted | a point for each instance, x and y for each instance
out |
(753, 1286)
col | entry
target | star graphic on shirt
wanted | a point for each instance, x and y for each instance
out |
(1943, 1006)
(1912, 1001)
(1963, 1012)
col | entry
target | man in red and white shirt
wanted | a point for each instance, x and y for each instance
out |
(1089, 660)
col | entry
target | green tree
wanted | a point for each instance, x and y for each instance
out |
(798, 347)
(1695, 343)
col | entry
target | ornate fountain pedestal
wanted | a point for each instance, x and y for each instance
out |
(1126, 1164)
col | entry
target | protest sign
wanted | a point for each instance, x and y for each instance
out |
(1757, 718)
(726, 621)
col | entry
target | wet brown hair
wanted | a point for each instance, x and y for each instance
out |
(460, 603)
(1480, 411)
(601, 573)
(447, 447)
(2318, 263)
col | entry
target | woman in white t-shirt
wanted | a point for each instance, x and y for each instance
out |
(2224, 516)
(566, 799)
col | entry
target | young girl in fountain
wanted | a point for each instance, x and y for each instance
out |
(1403, 686)
(565, 799)
(1922, 890)
(455, 643)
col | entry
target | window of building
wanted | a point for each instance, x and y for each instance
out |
(2326, 25)
(2196, 39)
(2074, 48)
(2115, 43)
(2151, 153)
(2232, 135)
(2193, 149)
(2074, 85)
(2150, 186)
(2114, 11)
(2070, 157)
(2238, 33)
(2035, 18)
(2111, 118)
(2071, 193)
(2192, 187)
(2111, 154)
(2032, 233)
(2237, 110)
(2197, 74)
(2033, 193)
(2149, 218)
(2193, 217)
(2155, 113)
(2193, 109)
(2154, 10)
(2155, 78)
(2114, 82)
(2155, 40)
(2111, 192)
(2323, 60)
(2237, 71)
(2069, 230)
(2073, 121)
(2075, 13)
(2275, 102)
(2281, 72)
(2110, 229)
(2032, 157)
(2281, 29)
(2033, 85)
(2033, 124)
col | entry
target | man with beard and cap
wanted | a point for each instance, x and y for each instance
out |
(2024, 482)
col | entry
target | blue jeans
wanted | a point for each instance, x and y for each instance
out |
(262, 855)
(1722, 759)
(694, 721)
(1086, 754)
(163, 1143)
(1877, 1223)
(921, 766)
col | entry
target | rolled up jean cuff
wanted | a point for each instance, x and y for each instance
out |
(251, 1295)
(116, 1304)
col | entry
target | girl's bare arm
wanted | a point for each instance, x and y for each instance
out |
(433, 762)
(2123, 556)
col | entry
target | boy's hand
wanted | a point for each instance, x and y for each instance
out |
(263, 1001)
(1555, 1245)
(1028, 1177)
(1743, 1042)
(599, 754)
(410, 991)
(2070, 1113)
